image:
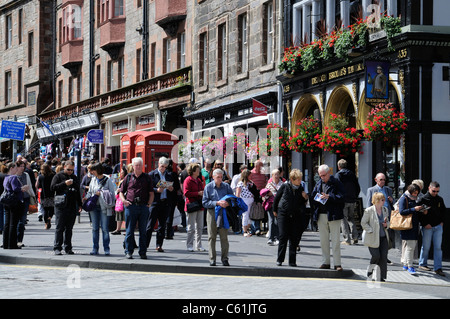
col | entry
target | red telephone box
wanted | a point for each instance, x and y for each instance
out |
(127, 147)
(151, 145)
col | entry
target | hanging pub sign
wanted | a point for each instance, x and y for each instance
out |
(377, 82)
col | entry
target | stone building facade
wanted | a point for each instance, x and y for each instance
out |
(25, 61)
(126, 63)
(236, 46)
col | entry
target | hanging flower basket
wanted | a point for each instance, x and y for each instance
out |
(385, 124)
(282, 135)
(340, 139)
(307, 137)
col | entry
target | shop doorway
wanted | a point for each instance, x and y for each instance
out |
(341, 103)
(306, 107)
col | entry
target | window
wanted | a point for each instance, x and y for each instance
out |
(8, 33)
(221, 51)
(20, 26)
(19, 85)
(30, 48)
(242, 66)
(98, 80)
(120, 73)
(60, 93)
(109, 77)
(104, 10)
(118, 8)
(181, 50)
(167, 55)
(203, 59)
(71, 23)
(138, 64)
(70, 97)
(107, 9)
(8, 87)
(79, 88)
(268, 33)
(153, 61)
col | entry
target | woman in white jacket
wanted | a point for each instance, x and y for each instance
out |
(102, 186)
(375, 235)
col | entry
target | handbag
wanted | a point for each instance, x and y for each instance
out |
(48, 202)
(256, 211)
(90, 203)
(8, 198)
(400, 222)
(60, 201)
(119, 204)
(195, 206)
(32, 208)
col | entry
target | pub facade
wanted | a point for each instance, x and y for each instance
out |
(415, 63)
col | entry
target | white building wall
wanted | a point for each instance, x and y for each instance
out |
(440, 156)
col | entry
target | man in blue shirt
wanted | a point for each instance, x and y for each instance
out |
(212, 195)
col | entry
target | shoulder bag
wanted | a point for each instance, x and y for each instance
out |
(194, 207)
(60, 201)
(399, 221)
(91, 202)
(8, 198)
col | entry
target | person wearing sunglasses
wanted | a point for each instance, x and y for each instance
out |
(66, 183)
(380, 187)
(432, 222)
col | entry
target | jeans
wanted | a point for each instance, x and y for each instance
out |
(432, 235)
(273, 225)
(136, 214)
(99, 219)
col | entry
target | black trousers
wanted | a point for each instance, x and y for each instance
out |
(379, 256)
(159, 211)
(65, 219)
(290, 229)
(12, 217)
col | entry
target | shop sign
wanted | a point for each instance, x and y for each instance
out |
(170, 143)
(95, 136)
(13, 130)
(377, 82)
(335, 74)
(70, 125)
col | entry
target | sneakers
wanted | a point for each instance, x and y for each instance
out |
(412, 271)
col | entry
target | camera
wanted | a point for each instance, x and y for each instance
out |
(137, 200)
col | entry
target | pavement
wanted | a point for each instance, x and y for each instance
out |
(248, 256)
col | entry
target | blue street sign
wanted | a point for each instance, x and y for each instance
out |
(95, 136)
(13, 130)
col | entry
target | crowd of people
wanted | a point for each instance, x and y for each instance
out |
(210, 196)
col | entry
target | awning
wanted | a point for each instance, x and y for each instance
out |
(269, 98)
